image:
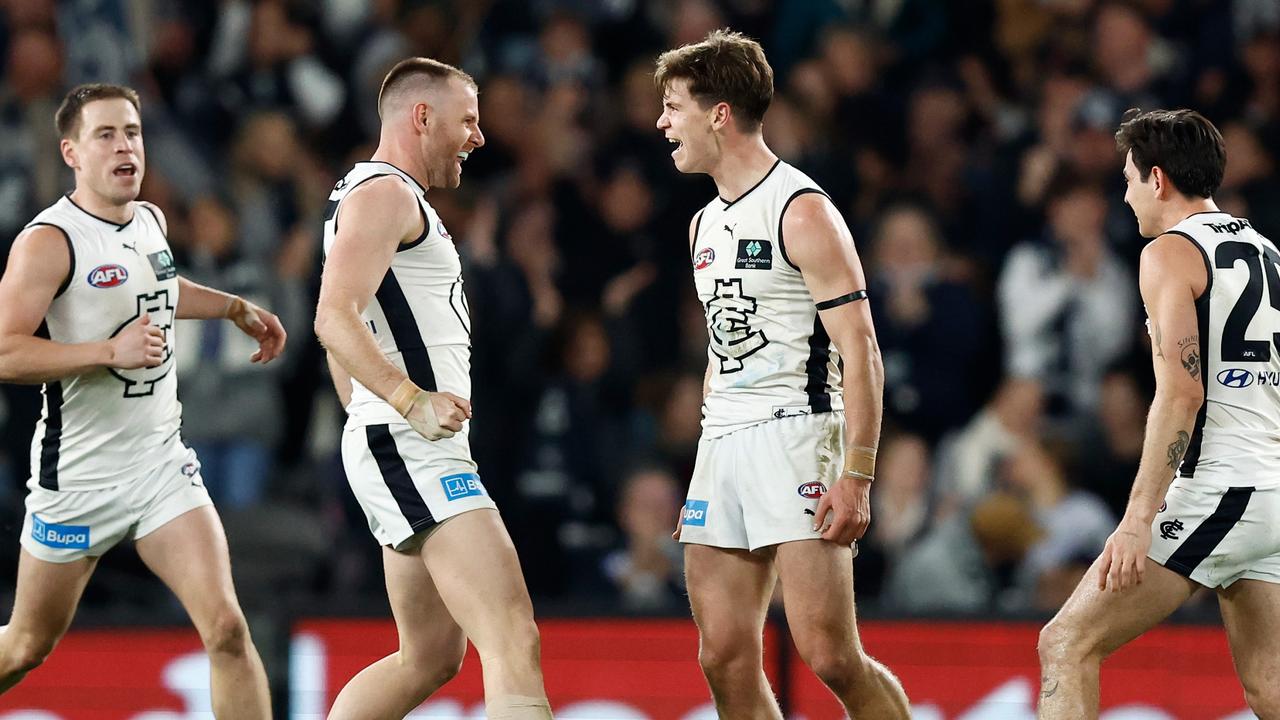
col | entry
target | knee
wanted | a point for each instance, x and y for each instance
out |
(26, 652)
(1264, 700)
(725, 656)
(837, 667)
(1060, 643)
(437, 668)
(226, 634)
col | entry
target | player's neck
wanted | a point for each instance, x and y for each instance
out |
(95, 204)
(391, 152)
(742, 167)
(1185, 208)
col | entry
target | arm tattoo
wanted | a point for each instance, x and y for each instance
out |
(1157, 338)
(1177, 448)
(1190, 349)
(1048, 686)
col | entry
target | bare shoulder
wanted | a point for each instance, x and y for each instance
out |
(44, 244)
(39, 259)
(157, 213)
(1174, 258)
(812, 230)
(383, 205)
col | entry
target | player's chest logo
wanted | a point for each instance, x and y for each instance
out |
(729, 315)
(107, 276)
(754, 255)
(163, 265)
(704, 258)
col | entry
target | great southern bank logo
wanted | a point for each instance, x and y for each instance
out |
(59, 536)
(1235, 378)
(695, 513)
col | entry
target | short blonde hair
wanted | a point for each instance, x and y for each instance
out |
(412, 69)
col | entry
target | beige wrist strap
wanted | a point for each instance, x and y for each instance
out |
(860, 462)
(402, 398)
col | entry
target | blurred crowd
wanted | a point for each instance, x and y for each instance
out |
(968, 145)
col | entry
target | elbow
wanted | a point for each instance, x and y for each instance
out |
(323, 325)
(1184, 399)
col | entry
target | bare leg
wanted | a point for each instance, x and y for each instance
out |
(44, 602)
(1251, 613)
(431, 648)
(729, 591)
(1093, 624)
(477, 574)
(189, 554)
(817, 585)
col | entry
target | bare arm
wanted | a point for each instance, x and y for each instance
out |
(819, 243)
(38, 265)
(1171, 275)
(374, 223)
(197, 302)
(376, 219)
(341, 380)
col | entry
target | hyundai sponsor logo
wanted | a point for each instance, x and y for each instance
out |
(695, 513)
(461, 485)
(1235, 378)
(59, 536)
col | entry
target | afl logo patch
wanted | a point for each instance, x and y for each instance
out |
(813, 490)
(1235, 378)
(443, 233)
(705, 257)
(108, 276)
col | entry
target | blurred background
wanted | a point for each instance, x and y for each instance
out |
(968, 144)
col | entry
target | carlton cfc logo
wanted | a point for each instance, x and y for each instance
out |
(705, 257)
(813, 490)
(108, 276)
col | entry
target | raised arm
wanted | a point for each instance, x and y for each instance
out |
(197, 302)
(375, 219)
(819, 243)
(39, 266)
(1171, 275)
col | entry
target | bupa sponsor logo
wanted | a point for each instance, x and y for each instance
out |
(59, 536)
(704, 258)
(462, 485)
(813, 490)
(108, 276)
(1235, 378)
(695, 513)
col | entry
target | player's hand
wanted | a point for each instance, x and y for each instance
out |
(259, 325)
(679, 524)
(1124, 559)
(848, 505)
(437, 415)
(139, 345)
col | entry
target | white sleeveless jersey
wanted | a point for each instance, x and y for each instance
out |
(770, 355)
(99, 429)
(419, 314)
(1236, 437)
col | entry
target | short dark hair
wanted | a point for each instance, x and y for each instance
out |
(1186, 146)
(67, 119)
(725, 67)
(414, 68)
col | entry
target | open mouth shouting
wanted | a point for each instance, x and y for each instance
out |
(125, 170)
